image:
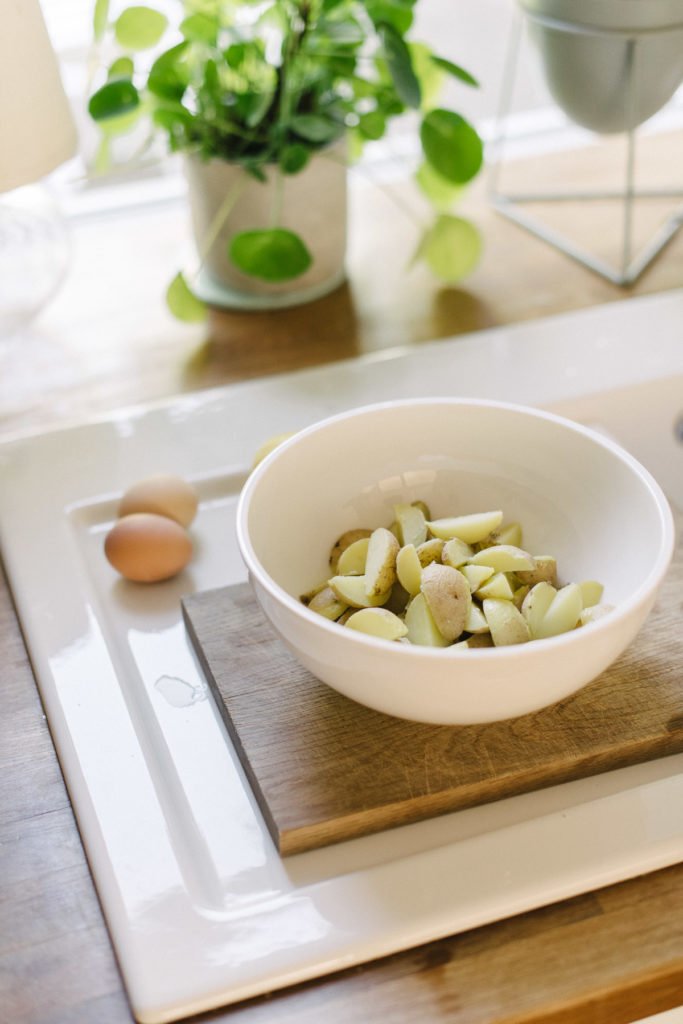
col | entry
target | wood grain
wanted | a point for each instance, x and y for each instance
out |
(324, 768)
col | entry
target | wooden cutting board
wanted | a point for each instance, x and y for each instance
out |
(324, 768)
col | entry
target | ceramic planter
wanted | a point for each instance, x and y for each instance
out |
(609, 64)
(312, 203)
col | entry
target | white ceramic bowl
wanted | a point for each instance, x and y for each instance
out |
(578, 496)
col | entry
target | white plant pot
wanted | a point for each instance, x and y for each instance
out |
(584, 46)
(312, 203)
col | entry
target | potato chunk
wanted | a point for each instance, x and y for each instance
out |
(377, 622)
(471, 528)
(503, 558)
(409, 569)
(380, 564)
(507, 625)
(564, 612)
(544, 571)
(352, 559)
(449, 598)
(343, 542)
(422, 629)
(412, 524)
(353, 590)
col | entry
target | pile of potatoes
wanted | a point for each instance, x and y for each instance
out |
(462, 581)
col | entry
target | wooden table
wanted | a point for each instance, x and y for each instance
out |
(610, 956)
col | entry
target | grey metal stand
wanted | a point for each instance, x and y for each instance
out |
(630, 267)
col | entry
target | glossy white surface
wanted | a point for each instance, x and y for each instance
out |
(201, 909)
(579, 497)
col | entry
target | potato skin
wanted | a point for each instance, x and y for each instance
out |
(448, 597)
(343, 542)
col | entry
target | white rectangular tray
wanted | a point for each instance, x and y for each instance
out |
(201, 909)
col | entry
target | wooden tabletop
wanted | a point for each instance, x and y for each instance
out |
(608, 957)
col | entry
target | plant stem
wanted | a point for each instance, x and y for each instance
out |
(278, 193)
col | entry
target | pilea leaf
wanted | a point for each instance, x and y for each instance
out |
(451, 145)
(442, 194)
(115, 98)
(139, 28)
(275, 254)
(451, 248)
(182, 303)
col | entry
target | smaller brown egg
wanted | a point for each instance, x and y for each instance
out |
(163, 495)
(147, 548)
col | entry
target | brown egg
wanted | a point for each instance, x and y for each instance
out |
(163, 495)
(147, 548)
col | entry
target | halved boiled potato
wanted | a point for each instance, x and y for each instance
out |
(507, 533)
(476, 575)
(471, 528)
(544, 570)
(449, 598)
(409, 569)
(342, 543)
(422, 628)
(563, 614)
(536, 604)
(430, 551)
(377, 622)
(508, 626)
(591, 593)
(456, 552)
(476, 620)
(353, 590)
(497, 586)
(352, 559)
(411, 523)
(503, 558)
(380, 564)
(328, 604)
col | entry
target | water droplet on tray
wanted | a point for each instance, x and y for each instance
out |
(178, 692)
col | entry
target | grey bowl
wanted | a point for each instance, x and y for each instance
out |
(584, 47)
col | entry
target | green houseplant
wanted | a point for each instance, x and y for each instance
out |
(268, 89)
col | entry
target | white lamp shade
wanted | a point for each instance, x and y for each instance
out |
(37, 131)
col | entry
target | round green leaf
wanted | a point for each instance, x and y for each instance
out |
(451, 145)
(372, 125)
(272, 255)
(294, 158)
(139, 28)
(451, 248)
(441, 194)
(121, 68)
(200, 28)
(182, 303)
(169, 76)
(114, 99)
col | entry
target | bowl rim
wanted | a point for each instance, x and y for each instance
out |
(621, 611)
